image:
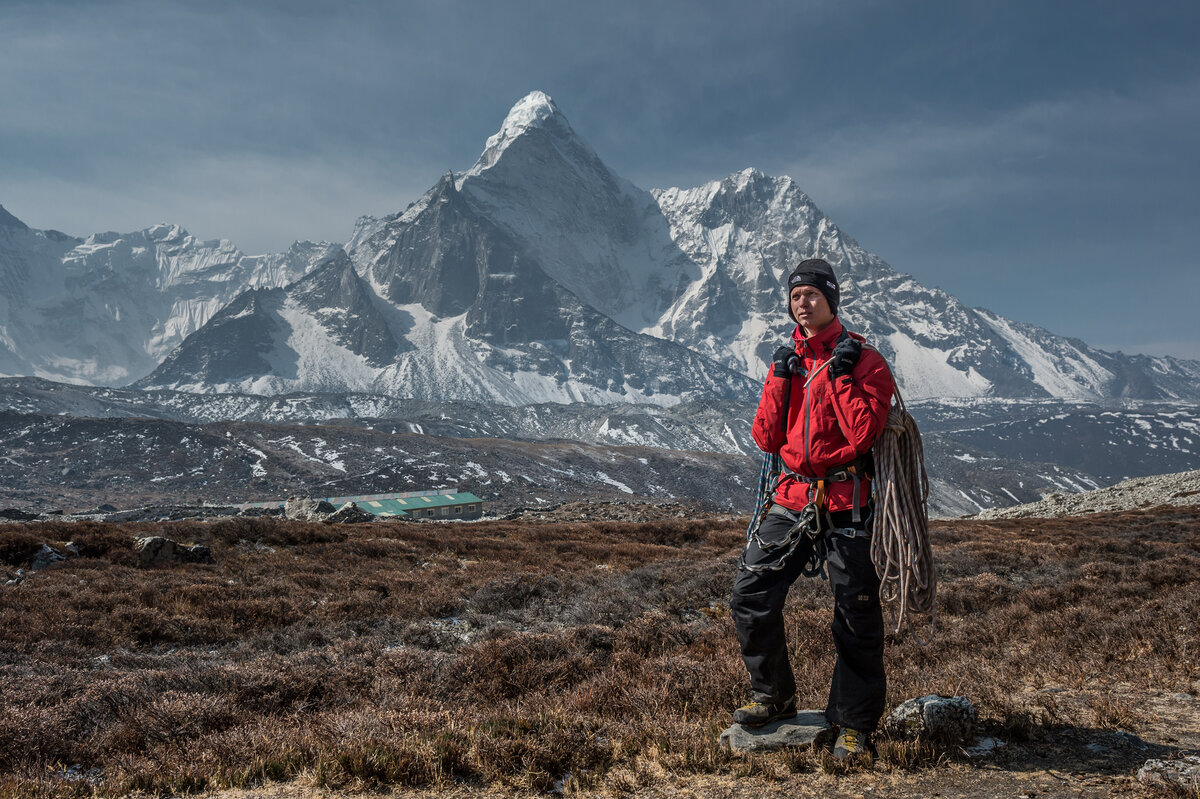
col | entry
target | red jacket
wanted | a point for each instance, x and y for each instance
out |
(829, 423)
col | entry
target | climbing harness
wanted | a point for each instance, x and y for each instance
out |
(813, 520)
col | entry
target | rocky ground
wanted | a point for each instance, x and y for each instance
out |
(535, 656)
(1182, 488)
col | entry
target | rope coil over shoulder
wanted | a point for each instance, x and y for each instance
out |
(900, 547)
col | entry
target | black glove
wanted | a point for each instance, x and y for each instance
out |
(845, 356)
(786, 362)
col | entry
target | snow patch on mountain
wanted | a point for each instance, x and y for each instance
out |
(1076, 376)
(926, 372)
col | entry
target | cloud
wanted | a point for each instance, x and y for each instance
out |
(1064, 146)
(261, 204)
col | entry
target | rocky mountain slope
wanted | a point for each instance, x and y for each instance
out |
(1182, 488)
(977, 453)
(77, 464)
(447, 307)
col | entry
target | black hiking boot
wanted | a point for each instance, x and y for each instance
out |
(852, 745)
(756, 714)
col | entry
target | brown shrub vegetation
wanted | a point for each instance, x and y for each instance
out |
(523, 654)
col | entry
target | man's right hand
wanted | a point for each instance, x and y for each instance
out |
(786, 362)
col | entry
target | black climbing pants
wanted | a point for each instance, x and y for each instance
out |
(856, 695)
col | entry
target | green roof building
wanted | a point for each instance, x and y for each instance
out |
(405, 504)
(417, 504)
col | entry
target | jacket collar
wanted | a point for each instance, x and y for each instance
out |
(822, 343)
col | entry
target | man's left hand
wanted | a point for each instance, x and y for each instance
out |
(845, 356)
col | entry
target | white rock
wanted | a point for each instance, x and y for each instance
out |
(1182, 773)
(943, 718)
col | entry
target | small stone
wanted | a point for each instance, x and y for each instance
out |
(156, 549)
(805, 729)
(983, 747)
(1182, 774)
(350, 513)
(17, 515)
(1182, 697)
(950, 720)
(1130, 740)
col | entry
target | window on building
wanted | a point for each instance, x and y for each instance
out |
(471, 508)
(445, 510)
(429, 512)
(458, 510)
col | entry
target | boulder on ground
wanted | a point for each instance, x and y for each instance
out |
(807, 728)
(1182, 775)
(350, 513)
(155, 550)
(945, 719)
(18, 515)
(308, 510)
(46, 557)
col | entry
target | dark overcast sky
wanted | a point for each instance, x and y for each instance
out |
(1036, 158)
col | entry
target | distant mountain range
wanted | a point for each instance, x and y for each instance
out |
(538, 275)
(532, 300)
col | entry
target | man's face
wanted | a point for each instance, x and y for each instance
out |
(810, 308)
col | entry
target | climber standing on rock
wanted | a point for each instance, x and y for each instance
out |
(825, 401)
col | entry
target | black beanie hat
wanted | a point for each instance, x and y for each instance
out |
(815, 272)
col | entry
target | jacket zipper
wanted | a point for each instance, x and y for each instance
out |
(805, 430)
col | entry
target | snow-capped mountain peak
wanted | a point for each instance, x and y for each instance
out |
(534, 110)
(594, 232)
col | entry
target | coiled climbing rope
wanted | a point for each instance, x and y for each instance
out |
(900, 543)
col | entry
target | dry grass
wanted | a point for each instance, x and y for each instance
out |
(531, 656)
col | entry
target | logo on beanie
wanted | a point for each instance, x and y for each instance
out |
(809, 279)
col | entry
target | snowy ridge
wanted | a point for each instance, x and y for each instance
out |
(332, 332)
(1177, 489)
(107, 309)
(593, 232)
(1066, 371)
